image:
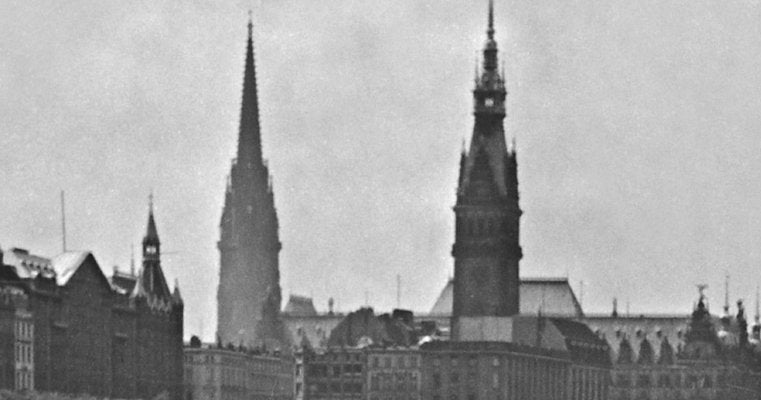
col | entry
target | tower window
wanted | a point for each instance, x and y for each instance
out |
(489, 102)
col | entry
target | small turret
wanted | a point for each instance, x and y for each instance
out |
(151, 283)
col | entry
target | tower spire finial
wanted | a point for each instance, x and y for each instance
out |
(490, 31)
(150, 202)
(250, 23)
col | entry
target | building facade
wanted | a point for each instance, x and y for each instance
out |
(16, 338)
(216, 373)
(393, 373)
(91, 335)
(487, 215)
(706, 362)
(248, 296)
(330, 373)
(500, 370)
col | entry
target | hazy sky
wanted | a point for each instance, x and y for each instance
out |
(637, 123)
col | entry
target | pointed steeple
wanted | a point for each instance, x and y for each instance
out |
(151, 243)
(151, 282)
(249, 242)
(249, 139)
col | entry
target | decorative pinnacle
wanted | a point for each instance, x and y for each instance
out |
(150, 202)
(490, 31)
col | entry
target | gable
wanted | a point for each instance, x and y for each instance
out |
(79, 268)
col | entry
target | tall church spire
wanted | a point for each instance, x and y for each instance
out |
(487, 214)
(249, 137)
(249, 295)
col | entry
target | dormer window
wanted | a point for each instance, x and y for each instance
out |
(489, 101)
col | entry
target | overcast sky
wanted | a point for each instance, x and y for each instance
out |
(637, 124)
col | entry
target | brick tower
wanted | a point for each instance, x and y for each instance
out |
(248, 297)
(487, 216)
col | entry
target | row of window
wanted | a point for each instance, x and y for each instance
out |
(399, 361)
(24, 353)
(339, 357)
(399, 381)
(668, 381)
(472, 361)
(335, 388)
(24, 330)
(333, 371)
(24, 380)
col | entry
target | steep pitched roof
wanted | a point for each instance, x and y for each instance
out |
(554, 296)
(300, 306)
(66, 265)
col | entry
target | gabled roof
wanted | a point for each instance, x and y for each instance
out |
(62, 266)
(66, 265)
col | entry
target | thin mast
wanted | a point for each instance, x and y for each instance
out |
(63, 221)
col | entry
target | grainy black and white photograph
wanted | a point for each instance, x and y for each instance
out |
(380, 200)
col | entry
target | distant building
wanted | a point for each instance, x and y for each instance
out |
(367, 356)
(215, 373)
(305, 325)
(363, 328)
(696, 357)
(248, 296)
(91, 335)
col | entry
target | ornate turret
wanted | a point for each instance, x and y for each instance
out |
(701, 341)
(487, 214)
(151, 283)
